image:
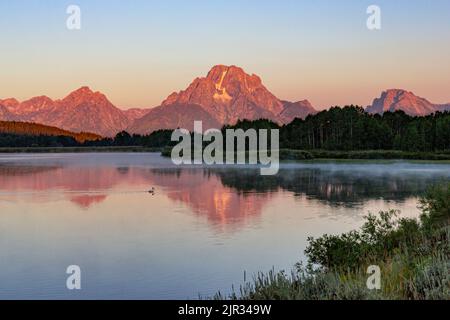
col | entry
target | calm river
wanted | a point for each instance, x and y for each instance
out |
(197, 234)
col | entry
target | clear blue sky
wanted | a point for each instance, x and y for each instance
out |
(138, 52)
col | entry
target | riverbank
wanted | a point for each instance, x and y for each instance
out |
(289, 154)
(285, 154)
(412, 258)
(302, 155)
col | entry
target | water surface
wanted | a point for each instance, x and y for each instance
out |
(197, 234)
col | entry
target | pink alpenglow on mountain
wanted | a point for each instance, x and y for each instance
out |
(227, 94)
(135, 113)
(173, 116)
(397, 99)
(293, 110)
(27, 110)
(5, 114)
(9, 103)
(81, 111)
(33, 107)
(85, 110)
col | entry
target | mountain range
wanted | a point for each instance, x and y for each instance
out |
(397, 99)
(81, 111)
(227, 94)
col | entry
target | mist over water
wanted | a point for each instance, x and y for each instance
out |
(197, 234)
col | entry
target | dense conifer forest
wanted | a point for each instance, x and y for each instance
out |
(337, 129)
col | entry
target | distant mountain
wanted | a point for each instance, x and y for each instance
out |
(29, 109)
(397, 99)
(292, 110)
(173, 116)
(443, 107)
(81, 111)
(85, 110)
(25, 128)
(135, 113)
(227, 94)
(9, 103)
(5, 114)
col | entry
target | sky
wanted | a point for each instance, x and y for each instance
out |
(138, 52)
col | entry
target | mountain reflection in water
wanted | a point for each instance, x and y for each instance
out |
(196, 234)
(224, 195)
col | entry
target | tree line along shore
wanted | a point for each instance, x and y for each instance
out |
(337, 133)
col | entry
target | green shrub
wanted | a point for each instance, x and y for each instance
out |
(435, 206)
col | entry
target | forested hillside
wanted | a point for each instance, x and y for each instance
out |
(32, 129)
(337, 129)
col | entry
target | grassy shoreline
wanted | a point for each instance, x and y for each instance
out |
(413, 257)
(285, 154)
(315, 155)
(289, 154)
